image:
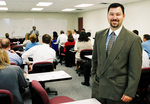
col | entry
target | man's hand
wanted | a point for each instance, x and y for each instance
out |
(12, 51)
(126, 98)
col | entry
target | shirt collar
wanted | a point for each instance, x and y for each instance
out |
(116, 32)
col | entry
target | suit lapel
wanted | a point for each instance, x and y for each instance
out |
(103, 45)
(119, 43)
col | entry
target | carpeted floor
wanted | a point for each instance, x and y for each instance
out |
(71, 88)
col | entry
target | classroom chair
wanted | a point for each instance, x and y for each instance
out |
(41, 67)
(6, 97)
(39, 95)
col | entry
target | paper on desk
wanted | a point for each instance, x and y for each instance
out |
(53, 75)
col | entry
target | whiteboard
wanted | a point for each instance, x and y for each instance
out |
(19, 27)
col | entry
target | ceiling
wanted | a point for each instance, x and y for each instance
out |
(58, 5)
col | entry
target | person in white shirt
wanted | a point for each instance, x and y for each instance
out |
(42, 52)
(145, 59)
(61, 39)
(75, 35)
(89, 36)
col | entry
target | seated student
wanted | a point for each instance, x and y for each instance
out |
(75, 35)
(13, 57)
(7, 35)
(146, 43)
(83, 43)
(70, 40)
(89, 36)
(33, 43)
(12, 77)
(42, 52)
(26, 41)
(55, 46)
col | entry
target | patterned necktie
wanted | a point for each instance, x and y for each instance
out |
(110, 43)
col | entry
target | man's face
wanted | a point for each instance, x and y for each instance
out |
(34, 28)
(115, 17)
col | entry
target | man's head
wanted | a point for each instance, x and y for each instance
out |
(46, 38)
(146, 37)
(115, 15)
(34, 27)
(7, 35)
(5, 43)
(82, 30)
(32, 38)
(136, 32)
(62, 32)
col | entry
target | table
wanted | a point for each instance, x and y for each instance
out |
(49, 76)
(86, 101)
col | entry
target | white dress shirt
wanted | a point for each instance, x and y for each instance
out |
(61, 39)
(76, 36)
(145, 59)
(40, 53)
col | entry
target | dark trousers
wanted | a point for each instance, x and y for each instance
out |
(87, 71)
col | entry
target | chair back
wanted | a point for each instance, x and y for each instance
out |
(39, 95)
(6, 97)
(40, 67)
(144, 80)
(85, 52)
(17, 48)
(69, 56)
(12, 63)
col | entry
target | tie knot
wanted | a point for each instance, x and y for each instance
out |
(113, 33)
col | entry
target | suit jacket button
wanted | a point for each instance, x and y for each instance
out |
(117, 57)
(110, 79)
(114, 69)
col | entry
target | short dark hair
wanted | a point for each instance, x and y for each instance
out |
(61, 32)
(83, 29)
(147, 36)
(7, 35)
(115, 5)
(46, 38)
(83, 37)
(136, 32)
(5, 43)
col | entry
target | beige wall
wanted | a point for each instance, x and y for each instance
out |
(72, 19)
(137, 17)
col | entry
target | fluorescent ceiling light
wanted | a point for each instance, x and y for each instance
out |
(3, 8)
(68, 9)
(37, 9)
(44, 4)
(84, 5)
(2, 3)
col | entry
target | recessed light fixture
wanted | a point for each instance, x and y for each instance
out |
(37, 9)
(3, 8)
(68, 9)
(2, 3)
(84, 5)
(44, 4)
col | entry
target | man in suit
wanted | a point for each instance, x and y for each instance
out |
(116, 71)
(36, 32)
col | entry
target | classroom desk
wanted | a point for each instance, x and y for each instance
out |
(86, 101)
(49, 76)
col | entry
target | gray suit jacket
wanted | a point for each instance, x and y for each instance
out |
(119, 73)
(36, 32)
(11, 79)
